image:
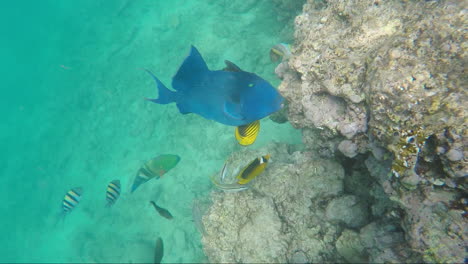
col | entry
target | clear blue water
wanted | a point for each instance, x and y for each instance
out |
(73, 114)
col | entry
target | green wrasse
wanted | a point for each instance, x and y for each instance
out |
(155, 168)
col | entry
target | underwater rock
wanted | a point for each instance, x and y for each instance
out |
(454, 155)
(385, 242)
(348, 148)
(349, 210)
(253, 235)
(281, 214)
(398, 76)
(349, 246)
(389, 75)
(299, 257)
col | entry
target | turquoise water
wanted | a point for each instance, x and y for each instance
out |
(73, 114)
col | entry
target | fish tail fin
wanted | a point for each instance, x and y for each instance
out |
(166, 96)
(60, 219)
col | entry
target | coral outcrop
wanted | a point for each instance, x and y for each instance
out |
(296, 211)
(384, 83)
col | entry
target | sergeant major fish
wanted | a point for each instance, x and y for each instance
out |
(71, 199)
(231, 97)
(113, 192)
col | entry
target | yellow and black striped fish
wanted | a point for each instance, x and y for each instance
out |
(252, 170)
(247, 134)
(113, 192)
(71, 199)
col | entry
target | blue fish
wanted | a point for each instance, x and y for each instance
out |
(230, 96)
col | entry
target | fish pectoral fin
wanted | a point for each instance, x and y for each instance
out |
(231, 67)
(232, 110)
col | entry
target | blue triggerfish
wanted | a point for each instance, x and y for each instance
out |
(113, 192)
(252, 170)
(71, 199)
(230, 96)
(155, 168)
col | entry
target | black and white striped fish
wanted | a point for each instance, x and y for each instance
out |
(72, 199)
(113, 192)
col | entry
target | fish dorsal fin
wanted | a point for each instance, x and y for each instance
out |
(232, 110)
(231, 67)
(191, 71)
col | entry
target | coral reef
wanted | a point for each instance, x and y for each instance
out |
(383, 83)
(378, 90)
(297, 211)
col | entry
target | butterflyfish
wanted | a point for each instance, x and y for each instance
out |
(229, 96)
(161, 211)
(71, 199)
(155, 168)
(113, 192)
(247, 134)
(252, 170)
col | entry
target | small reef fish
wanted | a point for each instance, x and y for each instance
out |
(64, 67)
(232, 97)
(197, 216)
(227, 187)
(158, 251)
(252, 170)
(247, 134)
(155, 168)
(72, 199)
(163, 212)
(280, 51)
(113, 192)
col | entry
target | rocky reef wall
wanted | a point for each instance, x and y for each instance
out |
(384, 83)
(304, 209)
